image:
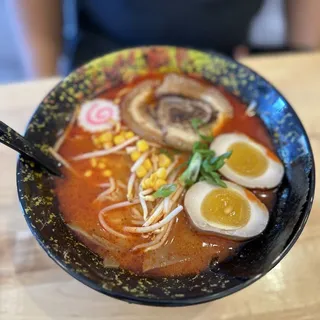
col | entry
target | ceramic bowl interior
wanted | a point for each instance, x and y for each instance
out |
(254, 259)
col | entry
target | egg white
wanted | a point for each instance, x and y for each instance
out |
(268, 180)
(258, 219)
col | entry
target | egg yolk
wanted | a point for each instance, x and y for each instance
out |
(247, 160)
(226, 207)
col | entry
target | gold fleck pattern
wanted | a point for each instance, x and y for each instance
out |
(35, 185)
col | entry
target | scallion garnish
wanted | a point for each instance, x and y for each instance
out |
(165, 191)
(203, 163)
(190, 175)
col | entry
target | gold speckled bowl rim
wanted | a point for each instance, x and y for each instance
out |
(231, 65)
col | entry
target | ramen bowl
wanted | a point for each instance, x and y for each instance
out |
(252, 260)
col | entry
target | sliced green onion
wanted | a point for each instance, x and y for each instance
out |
(190, 175)
(165, 191)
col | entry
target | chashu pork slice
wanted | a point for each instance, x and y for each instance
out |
(177, 85)
(137, 109)
(174, 115)
(163, 112)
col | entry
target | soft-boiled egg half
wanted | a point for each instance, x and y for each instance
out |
(250, 164)
(233, 212)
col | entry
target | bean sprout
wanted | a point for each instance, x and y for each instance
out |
(144, 207)
(121, 185)
(130, 149)
(155, 226)
(251, 110)
(137, 222)
(155, 214)
(175, 197)
(102, 195)
(58, 157)
(65, 133)
(148, 244)
(130, 186)
(118, 205)
(163, 239)
(139, 162)
(136, 213)
(108, 228)
(166, 204)
(173, 176)
(101, 153)
(172, 165)
(104, 185)
(154, 160)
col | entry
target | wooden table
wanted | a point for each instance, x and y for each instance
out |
(34, 287)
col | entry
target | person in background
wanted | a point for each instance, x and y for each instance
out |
(108, 25)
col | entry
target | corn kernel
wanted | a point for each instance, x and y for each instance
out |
(147, 164)
(107, 145)
(118, 139)
(107, 173)
(161, 173)
(159, 183)
(141, 172)
(142, 145)
(164, 161)
(135, 155)
(153, 179)
(93, 162)
(106, 137)
(88, 173)
(101, 165)
(146, 183)
(95, 141)
(128, 134)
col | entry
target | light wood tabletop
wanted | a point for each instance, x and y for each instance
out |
(34, 287)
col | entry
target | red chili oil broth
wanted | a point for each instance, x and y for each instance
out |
(187, 251)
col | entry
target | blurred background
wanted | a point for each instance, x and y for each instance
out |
(10, 63)
(41, 38)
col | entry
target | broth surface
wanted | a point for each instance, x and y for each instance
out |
(186, 251)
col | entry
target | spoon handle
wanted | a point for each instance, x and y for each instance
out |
(15, 141)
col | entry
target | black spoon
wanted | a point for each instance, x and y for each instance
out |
(15, 141)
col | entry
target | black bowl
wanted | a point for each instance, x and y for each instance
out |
(254, 259)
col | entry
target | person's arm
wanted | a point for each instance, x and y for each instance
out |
(303, 23)
(38, 26)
